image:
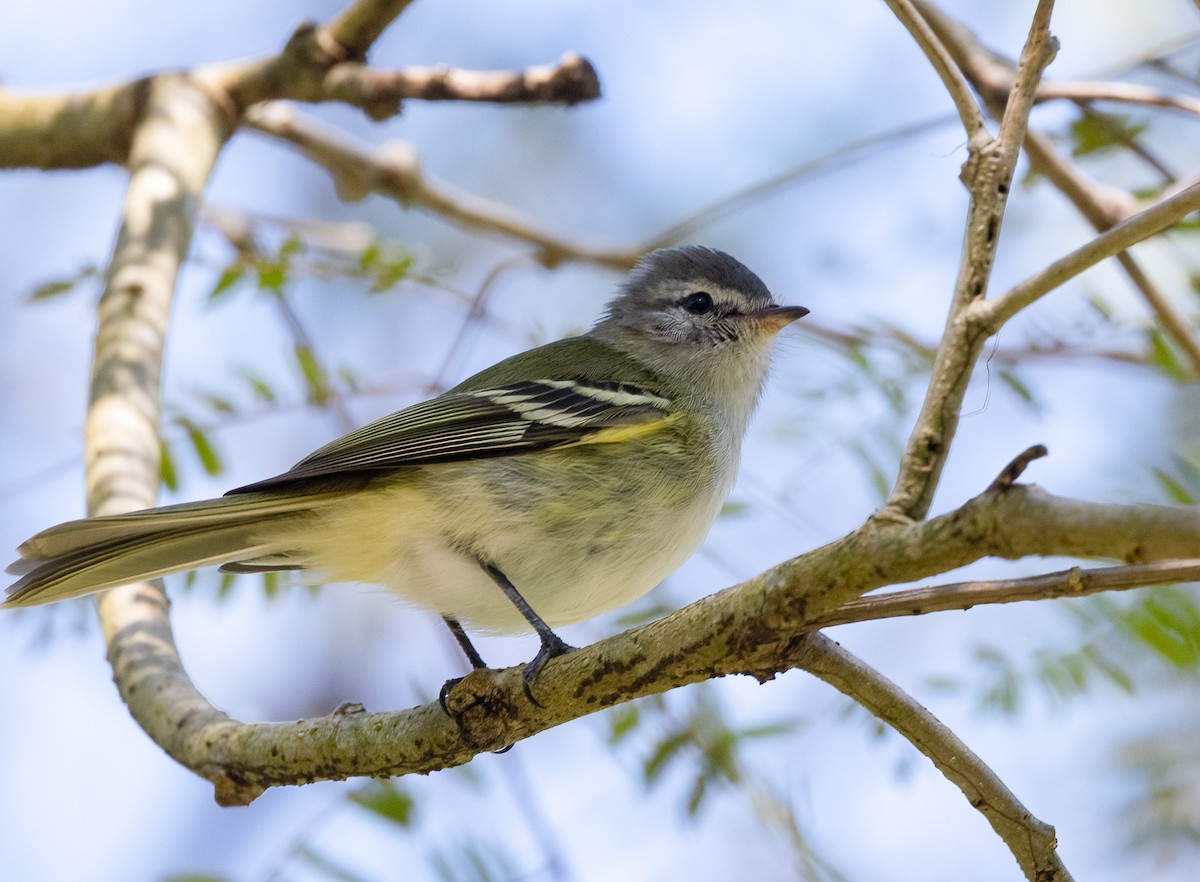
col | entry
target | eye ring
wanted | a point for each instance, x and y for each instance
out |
(697, 303)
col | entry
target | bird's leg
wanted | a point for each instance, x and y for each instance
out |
(552, 644)
(464, 642)
(469, 650)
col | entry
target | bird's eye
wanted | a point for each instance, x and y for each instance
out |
(697, 303)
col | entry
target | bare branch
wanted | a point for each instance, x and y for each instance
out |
(952, 78)
(1158, 217)
(75, 130)
(360, 25)
(380, 93)
(988, 174)
(1105, 206)
(1032, 842)
(1074, 582)
(394, 171)
(1102, 205)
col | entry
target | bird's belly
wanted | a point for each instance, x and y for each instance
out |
(586, 559)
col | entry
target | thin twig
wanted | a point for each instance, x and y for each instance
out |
(1104, 206)
(952, 78)
(1074, 582)
(1158, 217)
(395, 171)
(1032, 842)
(988, 174)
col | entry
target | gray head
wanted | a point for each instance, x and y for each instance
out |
(697, 315)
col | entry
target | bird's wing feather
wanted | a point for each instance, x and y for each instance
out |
(502, 421)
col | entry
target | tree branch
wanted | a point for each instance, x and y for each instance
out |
(952, 78)
(172, 152)
(1158, 217)
(1103, 206)
(1032, 842)
(756, 628)
(1074, 582)
(988, 174)
(395, 171)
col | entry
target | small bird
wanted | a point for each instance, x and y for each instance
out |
(561, 483)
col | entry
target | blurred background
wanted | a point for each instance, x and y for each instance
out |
(344, 312)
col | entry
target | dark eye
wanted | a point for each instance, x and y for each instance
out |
(697, 303)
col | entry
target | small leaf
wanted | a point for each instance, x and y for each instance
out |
(733, 509)
(389, 274)
(258, 385)
(1173, 489)
(272, 276)
(57, 287)
(291, 245)
(666, 749)
(387, 800)
(166, 467)
(1095, 132)
(696, 796)
(370, 256)
(205, 452)
(229, 277)
(1164, 356)
(1014, 382)
(53, 289)
(314, 375)
(622, 721)
(219, 403)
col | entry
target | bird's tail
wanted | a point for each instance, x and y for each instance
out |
(82, 557)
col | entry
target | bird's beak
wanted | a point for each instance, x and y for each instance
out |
(776, 318)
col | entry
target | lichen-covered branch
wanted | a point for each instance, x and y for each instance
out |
(317, 63)
(757, 628)
(172, 151)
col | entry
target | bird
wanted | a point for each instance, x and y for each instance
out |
(561, 483)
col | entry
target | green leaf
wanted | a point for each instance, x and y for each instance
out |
(388, 274)
(622, 720)
(387, 800)
(219, 403)
(166, 467)
(1096, 132)
(58, 287)
(229, 277)
(292, 245)
(1173, 489)
(1014, 382)
(258, 385)
(314, 375)
(663, 752)
(370, 256)
(271, 583)
(205, 452)
(733, 509)
(696, 796)
(272, 276)
(1164, 356)
(52, 289)
(1168, 621)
